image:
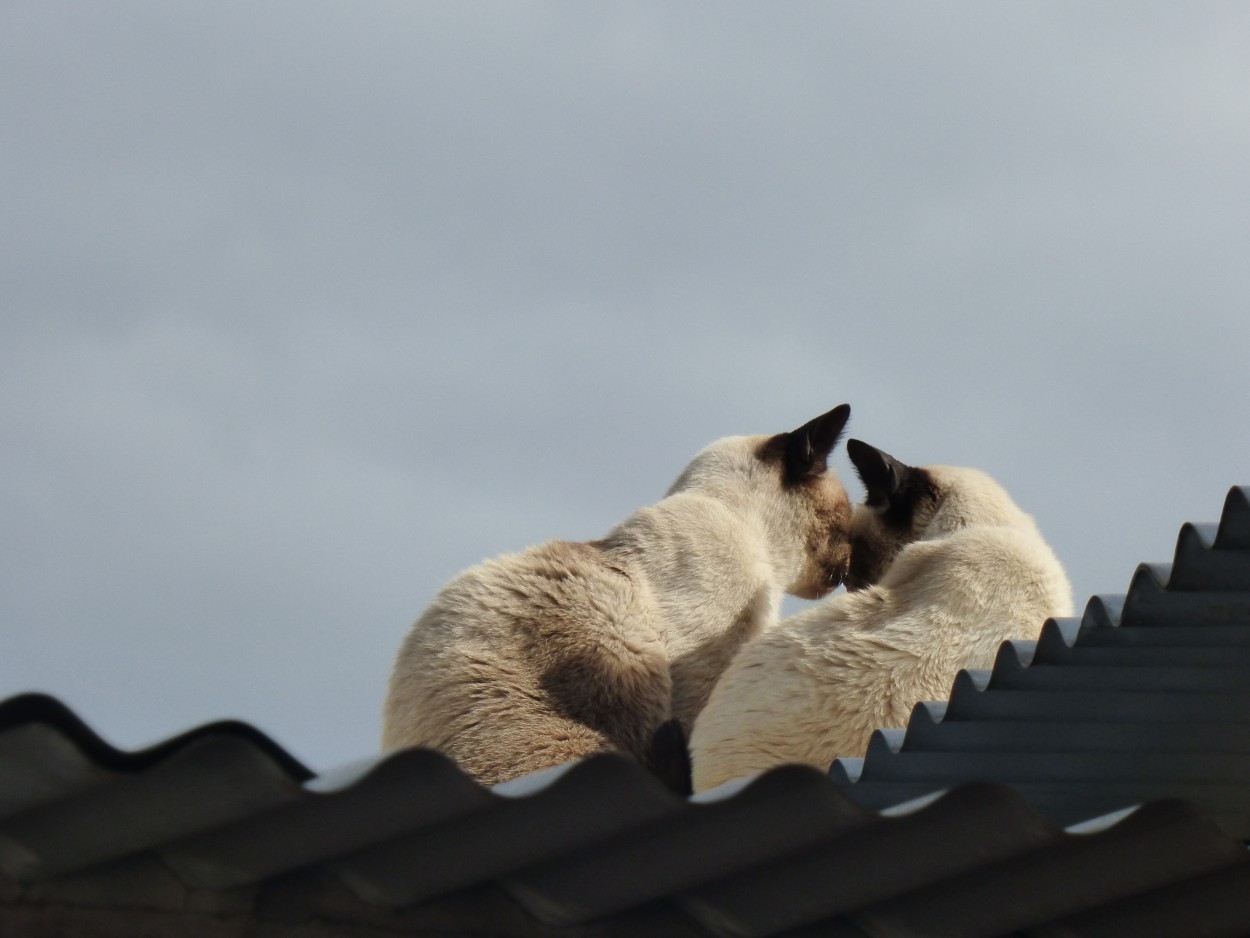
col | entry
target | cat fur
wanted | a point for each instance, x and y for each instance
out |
(571, 648)
(944, 568)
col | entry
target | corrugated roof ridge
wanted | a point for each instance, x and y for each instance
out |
(225, 784)
(392, 823)
(34, 707)
(1163, 669)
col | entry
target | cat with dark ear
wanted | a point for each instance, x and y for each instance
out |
(883, 475)
(944, 568)
(894, 492)
(571, 648)
(807, 449)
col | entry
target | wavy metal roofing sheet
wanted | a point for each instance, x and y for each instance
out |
(1146, 696)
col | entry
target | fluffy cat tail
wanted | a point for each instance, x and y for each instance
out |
(668, 757)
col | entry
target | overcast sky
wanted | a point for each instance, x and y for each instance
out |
(307, 306)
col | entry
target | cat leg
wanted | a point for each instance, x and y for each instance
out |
(487, 714)
(524, 742)
(623, 692)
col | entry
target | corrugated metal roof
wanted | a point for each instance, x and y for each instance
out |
(221, 832)
(1146, 696)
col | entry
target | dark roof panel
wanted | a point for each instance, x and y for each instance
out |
(576, 807)
(1150, 849)
(231, 833)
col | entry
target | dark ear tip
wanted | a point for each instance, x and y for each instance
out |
(807, 448)
(866, 458)
(831, 423)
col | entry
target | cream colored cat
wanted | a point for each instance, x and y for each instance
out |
(957, 568)
(567, 649)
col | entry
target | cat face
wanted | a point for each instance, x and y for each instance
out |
(825, 513)
(784, 482)
(815, 500)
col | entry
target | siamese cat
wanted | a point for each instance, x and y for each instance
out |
(567, 649)
(944, 568)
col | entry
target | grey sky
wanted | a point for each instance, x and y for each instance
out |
(307, 305)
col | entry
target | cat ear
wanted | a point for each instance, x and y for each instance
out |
(807, 449)
(881, 473)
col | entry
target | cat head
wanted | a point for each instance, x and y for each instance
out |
(783, 484)
(909, 503)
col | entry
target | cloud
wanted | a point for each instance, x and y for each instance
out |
(309, 306)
